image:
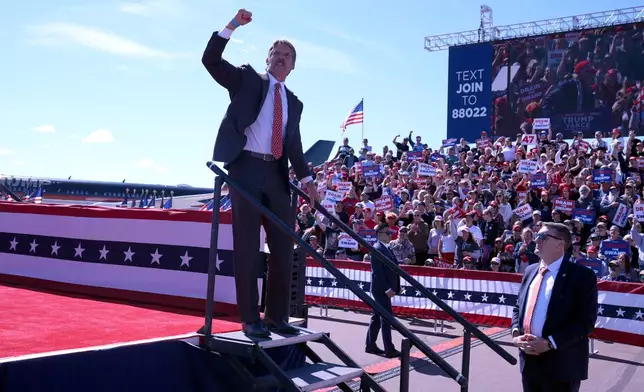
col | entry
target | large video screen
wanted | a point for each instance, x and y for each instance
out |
(584, 81)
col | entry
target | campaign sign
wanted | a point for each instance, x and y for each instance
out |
(450, 142)
(344, 186)
(527, 166)
(426, 170)
(586, 217)
(524, 212)
(334, 197)
(538, 180)
(369, 235)
(384, 203)
(596, 265)
(621, 216)
(638, 211)
(541, 124)
(469, 86)
(370, 169)
(611, 249)
(602, 175)
(344, 241)
(564, 205)
(529, 140)
(414, 156)
(483, 143)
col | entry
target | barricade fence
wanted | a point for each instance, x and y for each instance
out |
(481, 297)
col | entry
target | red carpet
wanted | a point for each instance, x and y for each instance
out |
(34, 322)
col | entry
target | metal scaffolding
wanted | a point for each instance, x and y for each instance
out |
(487, 32)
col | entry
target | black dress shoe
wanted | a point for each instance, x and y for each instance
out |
(281, 327)
(255, 330)
(393, 353)
(374, 350)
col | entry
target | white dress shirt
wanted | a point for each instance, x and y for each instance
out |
(543, 300)
(260, 133)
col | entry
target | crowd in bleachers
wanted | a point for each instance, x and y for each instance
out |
(479, 206)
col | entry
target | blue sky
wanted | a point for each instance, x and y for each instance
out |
(109, 89)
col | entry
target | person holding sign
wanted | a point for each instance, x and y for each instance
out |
(384, 285)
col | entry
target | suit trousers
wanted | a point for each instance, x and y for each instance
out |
(377, 323)
(543, 384)
(263, 181)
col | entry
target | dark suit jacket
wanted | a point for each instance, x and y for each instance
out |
(382, 278)
(571, 317)
(247, 90)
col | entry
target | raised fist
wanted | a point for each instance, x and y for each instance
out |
(243, 17)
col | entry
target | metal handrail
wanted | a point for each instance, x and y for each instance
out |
(342, 278)
(413, 282)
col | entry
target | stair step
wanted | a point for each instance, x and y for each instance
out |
(237, 343)
(311, 377)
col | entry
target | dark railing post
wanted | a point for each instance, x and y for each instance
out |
(212, 257)
(465, 367)
(405, 349)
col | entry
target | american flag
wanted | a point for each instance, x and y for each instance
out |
(355, 116)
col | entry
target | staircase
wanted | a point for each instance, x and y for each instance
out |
(240, 349)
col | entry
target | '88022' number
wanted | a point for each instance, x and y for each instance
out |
(469, 112)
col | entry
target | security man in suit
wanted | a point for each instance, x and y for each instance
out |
(258, 136)
(384, 285)
(554, 315)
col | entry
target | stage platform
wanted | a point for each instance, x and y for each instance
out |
(36, 322)
(61, 342)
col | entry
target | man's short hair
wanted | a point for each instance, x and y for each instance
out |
(381, 226)
(561, 231)
(283, 42)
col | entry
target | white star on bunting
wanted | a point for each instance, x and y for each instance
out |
(156, 257)
(620, 312)
(128, 254)
(13, 244)
(78, 251)
(32, 246)
(185, 260)
(219, 261)
(502, 299)
(639, 315)
(54, 248)
(104, 253)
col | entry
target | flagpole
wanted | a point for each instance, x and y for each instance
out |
(362, 119)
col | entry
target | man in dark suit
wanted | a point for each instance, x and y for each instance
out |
(555, 313)
(384, 285)
(258, 135)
